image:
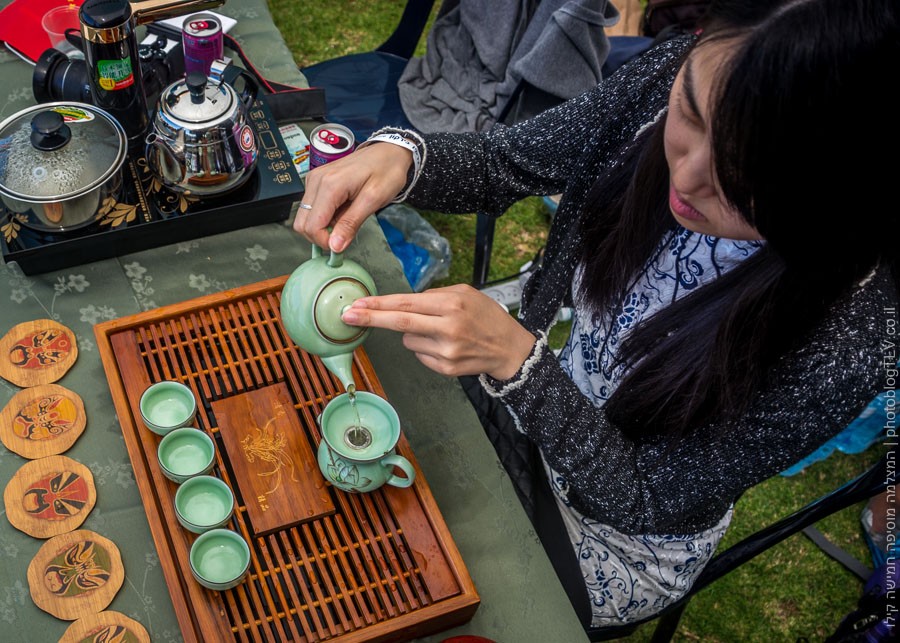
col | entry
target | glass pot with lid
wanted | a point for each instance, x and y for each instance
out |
(59, 162)
(202, 140)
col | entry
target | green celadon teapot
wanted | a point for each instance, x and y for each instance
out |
(312, 301)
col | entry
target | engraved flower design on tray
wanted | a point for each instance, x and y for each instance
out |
(270, 447)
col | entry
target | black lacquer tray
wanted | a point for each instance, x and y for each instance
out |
(147, 215)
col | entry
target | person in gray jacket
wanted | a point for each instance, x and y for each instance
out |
(726, 239)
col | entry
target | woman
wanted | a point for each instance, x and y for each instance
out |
(727, 240)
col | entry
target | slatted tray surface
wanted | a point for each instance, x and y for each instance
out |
(380, 566)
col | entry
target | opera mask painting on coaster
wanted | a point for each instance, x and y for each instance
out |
(75, 574)
(79, 568)
(49, 496)
(37, 352)
(45, 418)
(57, 496)
(42, 420)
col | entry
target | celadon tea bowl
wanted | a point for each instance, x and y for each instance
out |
(357, 454)
(312, 301)
(185, 453)
(203, 503)
(220, 559)
(166, 406)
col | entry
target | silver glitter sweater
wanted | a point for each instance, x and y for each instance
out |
(651, 486)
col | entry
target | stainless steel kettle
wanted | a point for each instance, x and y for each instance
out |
(202, 141)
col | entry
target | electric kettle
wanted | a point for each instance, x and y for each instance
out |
(201, 138)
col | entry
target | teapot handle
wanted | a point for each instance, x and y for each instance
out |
(336, 260)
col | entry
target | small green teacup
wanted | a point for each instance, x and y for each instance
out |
(357, 451)
(185, 453)
(220, 559)
(203, 503)
(166, 406)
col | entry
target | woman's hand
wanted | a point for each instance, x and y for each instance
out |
(454, 331)
(345, 192)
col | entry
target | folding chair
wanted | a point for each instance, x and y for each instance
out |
(361, 92)
(361, 89)
(869, 484)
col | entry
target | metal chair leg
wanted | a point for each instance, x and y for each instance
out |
(484, 241)
(668, 624)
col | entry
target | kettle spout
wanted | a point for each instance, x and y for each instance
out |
(342, 368)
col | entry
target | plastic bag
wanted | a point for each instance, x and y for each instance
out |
(423, 253)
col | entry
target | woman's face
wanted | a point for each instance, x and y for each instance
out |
(695, 198)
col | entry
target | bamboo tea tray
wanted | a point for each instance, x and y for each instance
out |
(326, 565)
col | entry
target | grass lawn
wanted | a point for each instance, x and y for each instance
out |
(791, 591)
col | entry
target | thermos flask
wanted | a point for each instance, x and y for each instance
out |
(111, 53)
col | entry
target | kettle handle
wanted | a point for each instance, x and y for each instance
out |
(251, 88)
(336, 260)
(222, 72)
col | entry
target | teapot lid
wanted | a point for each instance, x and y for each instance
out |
(335, 297)
(55, 151)
(194, 100)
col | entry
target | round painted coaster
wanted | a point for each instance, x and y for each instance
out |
(50, 496)
(75, 574)
(105, 627)
(37, 352)
(42, 420)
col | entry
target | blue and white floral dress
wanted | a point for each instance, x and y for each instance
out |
(631, 577)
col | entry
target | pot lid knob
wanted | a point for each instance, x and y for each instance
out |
(196, 84)
(49, 131)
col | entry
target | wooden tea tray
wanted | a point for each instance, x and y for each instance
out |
(378, 567)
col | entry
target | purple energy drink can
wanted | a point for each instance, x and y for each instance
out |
(329, 142)
(203, 42)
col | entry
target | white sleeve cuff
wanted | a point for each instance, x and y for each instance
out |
(499, 388)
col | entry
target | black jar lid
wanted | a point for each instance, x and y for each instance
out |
(105, 14)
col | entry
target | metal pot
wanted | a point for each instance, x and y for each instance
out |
(60, 161)
(202, 141)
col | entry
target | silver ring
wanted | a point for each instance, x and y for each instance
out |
(305, 206)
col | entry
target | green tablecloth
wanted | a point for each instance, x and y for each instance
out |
(522, 600)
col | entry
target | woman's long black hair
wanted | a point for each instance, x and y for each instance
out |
(803, 133)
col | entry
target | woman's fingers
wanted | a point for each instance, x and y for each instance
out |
(327, 200)
(455, 330)
(350, 219)
(398, 316)
(424, 334)
(344, 193)
(413, 312)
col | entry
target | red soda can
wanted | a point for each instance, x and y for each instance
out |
(329, 142)
(201, 36)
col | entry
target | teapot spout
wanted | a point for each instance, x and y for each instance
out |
(342, 367)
